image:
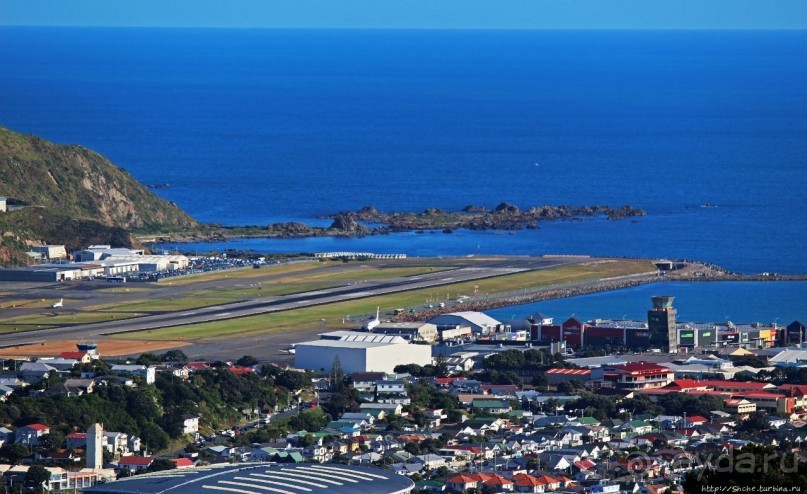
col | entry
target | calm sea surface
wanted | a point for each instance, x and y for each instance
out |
(257, 126)
(740, 302)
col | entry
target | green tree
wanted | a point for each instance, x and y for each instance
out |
(160, 464)
(14, 453)
(756, 422)
(540, 382)
(53, 440)
(37, 476)
(177, 356)
(148, 359)
(247, 361)
(752, 465)
(337, 376)
(294, 380)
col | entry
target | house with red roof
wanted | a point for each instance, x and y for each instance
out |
(197, 366)
(240, 371)
(461, 483)
(557, 375)
(686, 385)
(135, 463)
(523, 482)
(465, 451)
(183, 462)
(648, 465)
(77, 440)
(30, 434)
(495, 481)
(638, 375)
(694, 420)
(81, 357)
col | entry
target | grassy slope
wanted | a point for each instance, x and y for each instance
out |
(80, 183)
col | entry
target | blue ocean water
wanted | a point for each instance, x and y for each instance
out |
(739, 302)
(257, 126)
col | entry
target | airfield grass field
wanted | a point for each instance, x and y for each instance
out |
(21, 313)
(333, 315)
(52, 320)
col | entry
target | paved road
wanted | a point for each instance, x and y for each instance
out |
(484, 269)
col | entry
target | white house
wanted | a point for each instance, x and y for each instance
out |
(190, 424)
(148, 373)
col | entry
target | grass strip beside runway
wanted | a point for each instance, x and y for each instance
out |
(330, 316)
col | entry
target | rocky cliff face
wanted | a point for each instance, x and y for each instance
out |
(81, 183)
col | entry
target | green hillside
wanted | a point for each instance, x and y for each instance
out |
(72, 196)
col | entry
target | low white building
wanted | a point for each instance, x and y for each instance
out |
(50, 251)
(148, 373)
(361, 352)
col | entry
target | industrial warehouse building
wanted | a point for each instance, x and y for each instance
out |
(262, 479)
(479, 323)
(360, 352)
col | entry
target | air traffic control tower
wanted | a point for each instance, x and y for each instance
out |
(661, 321)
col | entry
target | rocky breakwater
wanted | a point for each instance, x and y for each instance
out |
(505, 216)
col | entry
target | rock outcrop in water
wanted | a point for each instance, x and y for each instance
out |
(505, 216)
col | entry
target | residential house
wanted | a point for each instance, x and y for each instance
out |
(462, 482)
(429, 461)
(391, 392)
(358, 417)
(6, 436)
(146, 372)
(183, 463)
(30, 434)
(493, 407)
(116, 443)
(5, 392)
(190, 424)
(134, 464)
(33, 372)
(133, 443)
(77, 440)
(59, 456)
(81, 357)
(387, 408)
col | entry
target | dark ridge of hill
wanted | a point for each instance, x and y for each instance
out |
(81, 184)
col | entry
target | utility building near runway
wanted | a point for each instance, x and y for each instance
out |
(360, 352)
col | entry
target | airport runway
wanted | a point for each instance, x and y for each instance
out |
(357, 290)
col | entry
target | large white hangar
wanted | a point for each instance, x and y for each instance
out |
(262, 478)
(360, 352)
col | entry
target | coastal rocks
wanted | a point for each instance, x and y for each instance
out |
(290, 229)
(346, 223)
(433, 212)
(505, 217)
(507, 208)
(624, 212)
